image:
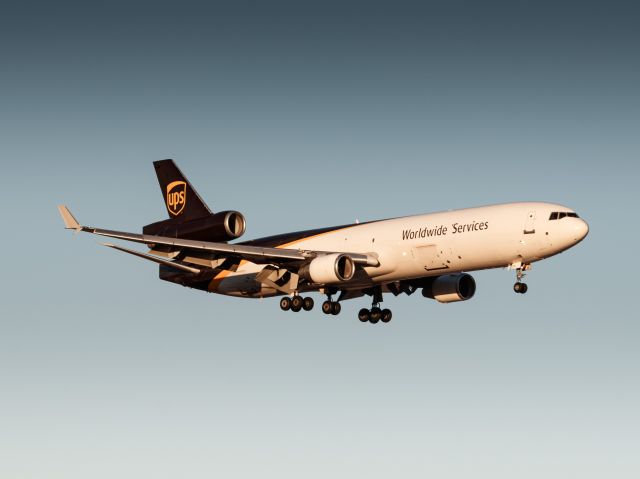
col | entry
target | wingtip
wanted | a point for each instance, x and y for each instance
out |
(70, 222)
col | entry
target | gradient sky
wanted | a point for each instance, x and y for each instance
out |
(304, 115)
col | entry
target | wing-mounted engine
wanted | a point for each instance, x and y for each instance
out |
(222, 226)
(329, 269)
(451, 288)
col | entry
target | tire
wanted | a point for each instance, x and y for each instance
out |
(517, 287)
(307, 303)
(375, 315)
(296, 303)
(336, 308)
(285, 303)
(525, 288)
(386, 315)
(326, 307)
(363, 315)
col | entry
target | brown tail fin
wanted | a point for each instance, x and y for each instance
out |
(180, 198)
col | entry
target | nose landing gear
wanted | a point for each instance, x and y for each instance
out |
(519, 286)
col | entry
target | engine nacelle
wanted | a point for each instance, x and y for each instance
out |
(328, 269)
(222, 226)
(450, 288)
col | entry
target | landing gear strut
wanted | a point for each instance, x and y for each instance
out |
(521, 287)
(375, 314)
(296, 303)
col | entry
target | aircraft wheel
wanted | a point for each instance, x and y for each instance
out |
(518, 287)
(296, 303)
(386, 315)
(285, 303)
(307, 303)
(326, 307)
(363, 315)
(375, 315)
(524, 288)
(336, 308)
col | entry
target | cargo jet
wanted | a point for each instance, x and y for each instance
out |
(432, 252)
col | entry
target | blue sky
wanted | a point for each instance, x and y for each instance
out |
(304, 116)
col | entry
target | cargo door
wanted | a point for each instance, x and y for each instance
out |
(429, 257)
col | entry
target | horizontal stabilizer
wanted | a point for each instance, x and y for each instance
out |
(155, 259)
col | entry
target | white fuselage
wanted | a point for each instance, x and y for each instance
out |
(434, 244)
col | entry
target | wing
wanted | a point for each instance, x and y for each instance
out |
(256, 254)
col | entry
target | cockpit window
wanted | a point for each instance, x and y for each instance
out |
(558, 215)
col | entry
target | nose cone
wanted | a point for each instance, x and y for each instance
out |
(580, 230)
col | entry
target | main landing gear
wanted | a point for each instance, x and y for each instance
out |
(331, 307)
(375, 314)
(296, 303)
(521, 287)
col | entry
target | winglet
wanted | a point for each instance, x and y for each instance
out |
(70, 222)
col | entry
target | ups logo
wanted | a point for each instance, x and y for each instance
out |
(176, 197)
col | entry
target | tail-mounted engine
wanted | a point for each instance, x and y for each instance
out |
(222, 226)
(450, 288)
(328, 269)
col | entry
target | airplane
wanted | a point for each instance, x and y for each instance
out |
(432, 252)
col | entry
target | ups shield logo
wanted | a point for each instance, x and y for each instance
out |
(176, 197)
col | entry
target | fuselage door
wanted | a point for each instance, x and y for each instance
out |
(530, 224)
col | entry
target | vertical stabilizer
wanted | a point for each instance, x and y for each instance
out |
(180, 198)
